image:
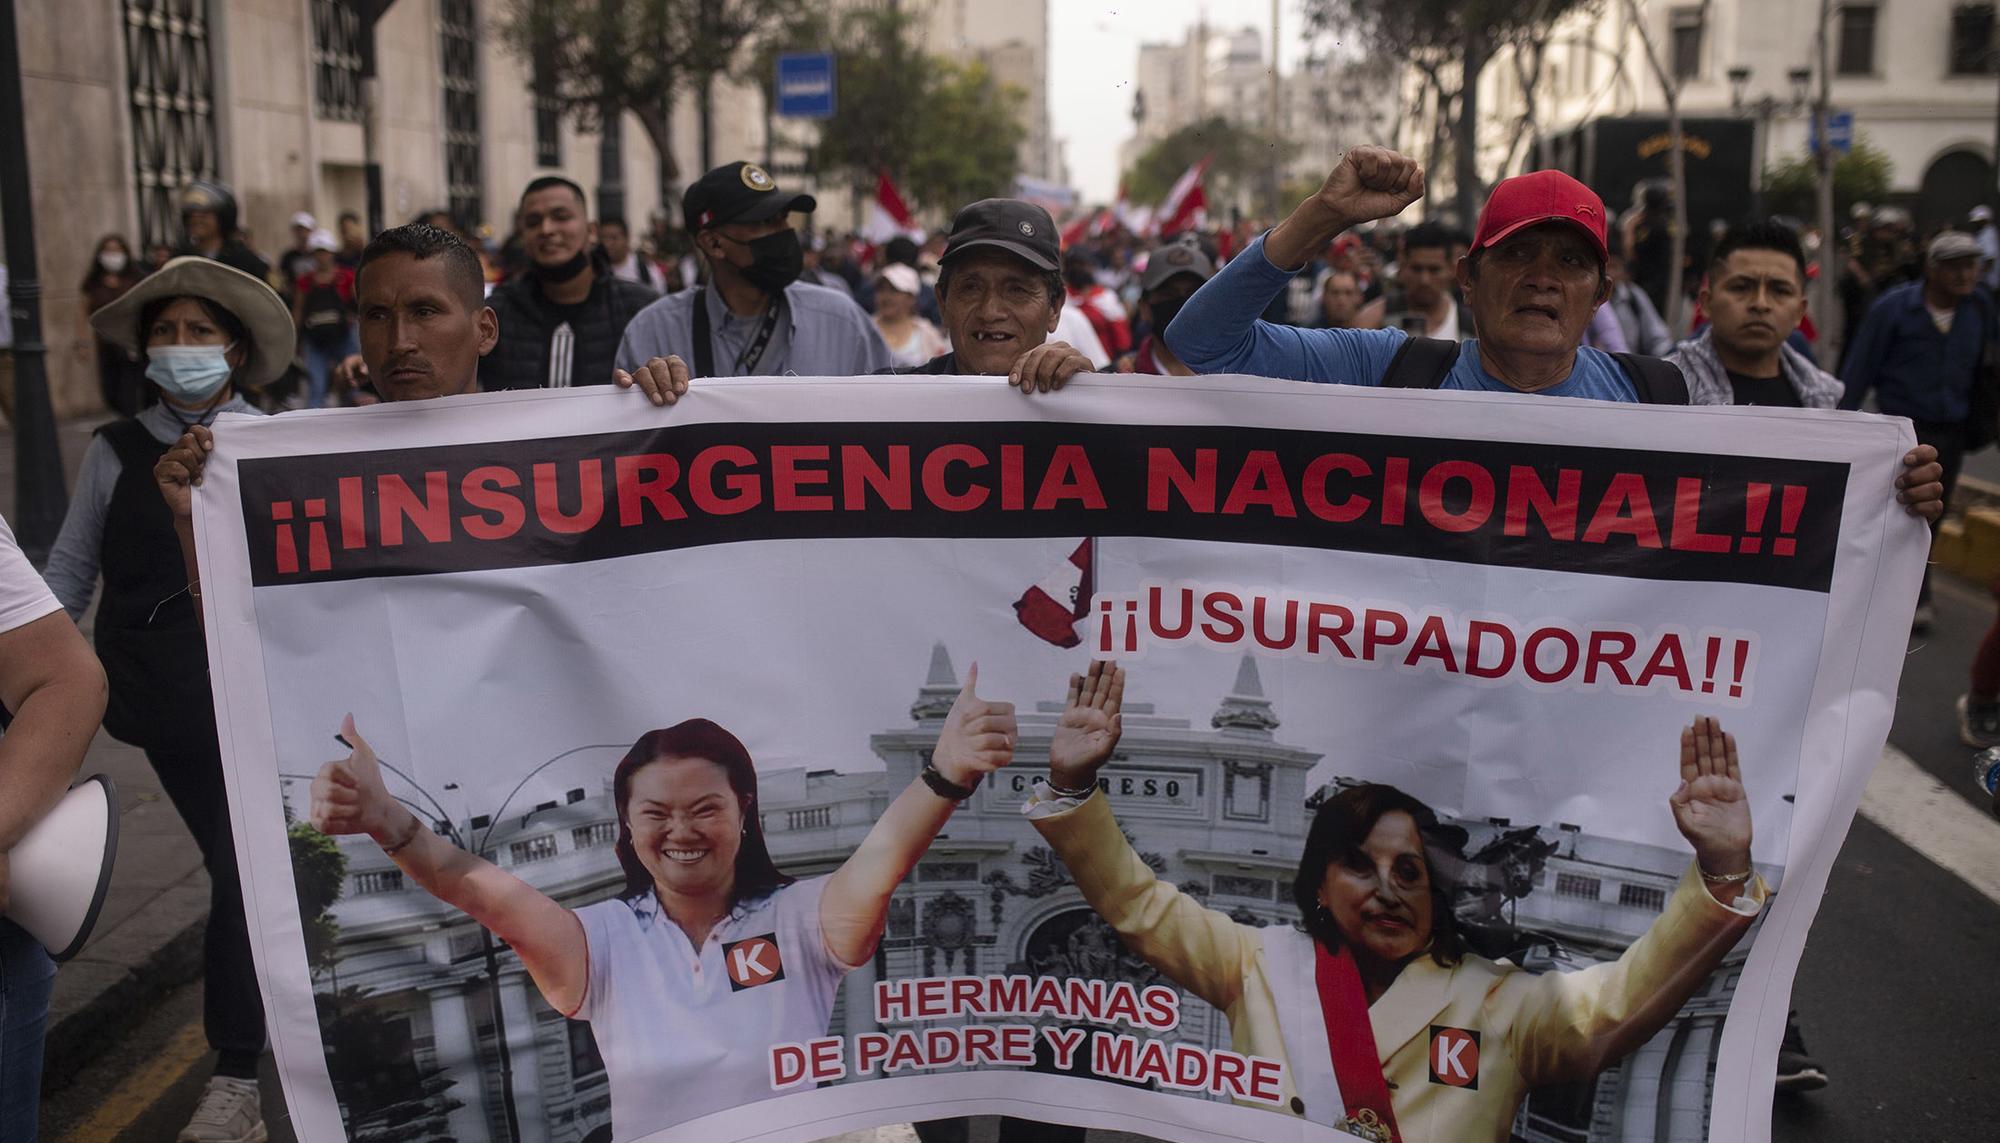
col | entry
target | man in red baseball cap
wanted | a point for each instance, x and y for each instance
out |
(1533, 278)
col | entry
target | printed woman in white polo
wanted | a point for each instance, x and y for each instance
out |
(709, 955)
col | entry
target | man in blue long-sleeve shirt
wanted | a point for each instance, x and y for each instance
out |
(1920, 349)
(1533, 279)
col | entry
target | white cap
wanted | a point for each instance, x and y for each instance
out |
(901, 278)
(321, 239)
(1981, 214)
(304, 219)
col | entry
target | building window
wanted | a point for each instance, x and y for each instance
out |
(1231, 885)
(592, 836)
(1857, 40)
(170, 88)
(337, 60)
(1685, 28)
(1578, 886)
(538, 848)
(1642, 897)
(458, 50)
(1972, 39)
(1246, 792)
(948, 871)
(583, 1058)
(382, 881)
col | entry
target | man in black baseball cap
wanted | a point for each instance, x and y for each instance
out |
(754, 317)
(1173, 273)
(1000, 289)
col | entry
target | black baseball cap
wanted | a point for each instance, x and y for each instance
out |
(1173, 260)
(738, 192)
(1020, 228)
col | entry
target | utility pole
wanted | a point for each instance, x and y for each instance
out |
(40, 501)
(371, 13)
(1830, 262)
(1277, 137)
(610, 138)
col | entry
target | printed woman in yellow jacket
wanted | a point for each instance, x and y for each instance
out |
(1368, 890)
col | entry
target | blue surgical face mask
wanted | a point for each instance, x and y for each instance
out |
(189, 372)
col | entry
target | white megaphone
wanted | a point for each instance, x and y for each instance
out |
(58, 874)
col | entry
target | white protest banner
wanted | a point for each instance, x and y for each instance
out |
(1403, 834)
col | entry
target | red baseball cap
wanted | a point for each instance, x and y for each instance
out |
(1538, 197)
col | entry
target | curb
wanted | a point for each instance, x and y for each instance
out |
(77, 1037)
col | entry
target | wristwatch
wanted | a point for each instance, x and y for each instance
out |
(944, 787)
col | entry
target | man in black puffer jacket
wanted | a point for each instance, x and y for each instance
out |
(560, 323)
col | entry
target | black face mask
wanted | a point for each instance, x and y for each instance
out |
(561, 272)
(776, 260)
(1163, 314)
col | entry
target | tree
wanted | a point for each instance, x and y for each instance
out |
(637, 55)
(1239, 158)
(948, 132)
(319, 870)
(1449, 43)
(1670, 88)
(1791, 186)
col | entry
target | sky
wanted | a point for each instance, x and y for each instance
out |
(1094, 60)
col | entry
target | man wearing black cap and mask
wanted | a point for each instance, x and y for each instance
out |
(754, 317)
(560, 323)
(208, 219)
(1173, 273)
(1000, 288)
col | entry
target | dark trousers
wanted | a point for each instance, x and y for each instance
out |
(1948, 437)
(232, 1009)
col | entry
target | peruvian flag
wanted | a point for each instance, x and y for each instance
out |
(1186, 203)
(888, 216)
(1051, 608)
(1137, 219)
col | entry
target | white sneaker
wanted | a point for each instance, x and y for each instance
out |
(229, 1112)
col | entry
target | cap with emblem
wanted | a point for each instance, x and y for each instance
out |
(1538, 197)
(738, 192)
(1173, 260)
(1020, 228)
(1953, 245)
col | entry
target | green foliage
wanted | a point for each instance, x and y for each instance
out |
(948, 133)
(319, 870)
(1436, 30)
(1239, 157)
(636, 54)
(1862, 175)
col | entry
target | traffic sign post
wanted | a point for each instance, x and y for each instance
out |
(1839, 132)
(805, 85)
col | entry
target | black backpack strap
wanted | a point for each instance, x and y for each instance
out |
(1658, 380)
(1421, 363)
(702, 336)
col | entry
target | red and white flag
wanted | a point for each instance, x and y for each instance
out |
(1051, 608)
(1186, 202)
(888, 216)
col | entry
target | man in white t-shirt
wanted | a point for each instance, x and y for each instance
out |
(54, 688)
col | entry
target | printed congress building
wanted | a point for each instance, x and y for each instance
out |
(1220, 810)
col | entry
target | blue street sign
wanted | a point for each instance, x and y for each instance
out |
(1839, 130)
(805, 85)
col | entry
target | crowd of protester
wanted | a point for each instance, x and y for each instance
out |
(1339, 291)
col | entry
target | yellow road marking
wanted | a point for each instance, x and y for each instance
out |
(140, 1090)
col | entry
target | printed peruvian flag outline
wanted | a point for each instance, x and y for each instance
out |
(1052, 606)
